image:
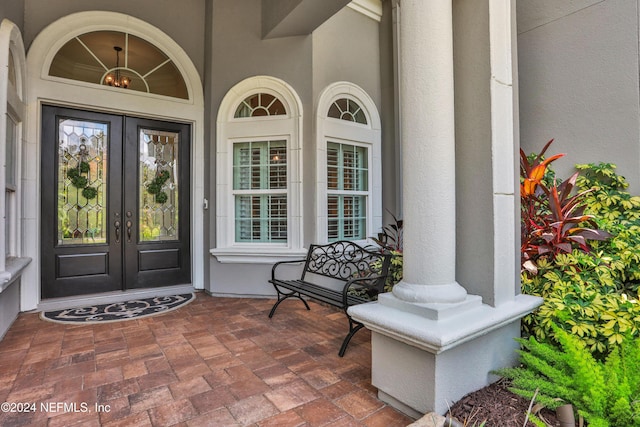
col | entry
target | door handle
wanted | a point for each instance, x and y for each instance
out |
(117, 226)
(129, 225)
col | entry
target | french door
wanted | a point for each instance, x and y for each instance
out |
(115, 203)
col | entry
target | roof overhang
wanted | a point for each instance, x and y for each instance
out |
(285, 18)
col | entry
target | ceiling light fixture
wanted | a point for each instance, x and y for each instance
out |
(115, 79)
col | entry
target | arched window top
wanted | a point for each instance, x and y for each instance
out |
(12, 70)
(121, 59)
(12, 58)
(259, 98)
(259, 105)
(347, 109)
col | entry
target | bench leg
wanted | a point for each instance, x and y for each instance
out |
(283, 296)
(353, 328)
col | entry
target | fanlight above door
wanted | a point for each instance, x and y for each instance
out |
(90, 58)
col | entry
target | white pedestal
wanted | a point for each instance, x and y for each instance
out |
(423, 363)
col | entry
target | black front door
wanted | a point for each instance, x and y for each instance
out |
(115, 203)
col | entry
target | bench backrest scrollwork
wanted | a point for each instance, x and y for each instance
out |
(344, 260)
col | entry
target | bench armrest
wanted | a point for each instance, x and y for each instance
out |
(277, 264)
(368, 282)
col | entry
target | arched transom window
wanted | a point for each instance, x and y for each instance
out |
(119, 59)
(347, 109)
(260, 104)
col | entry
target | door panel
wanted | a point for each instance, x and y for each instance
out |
(115, 203)
(157, 204)
(82, 264)
(81, 168)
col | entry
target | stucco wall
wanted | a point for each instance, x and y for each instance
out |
(9, 306)
(578, 71)
(474, 181)
(14, 11)
(347, 48)
(487, 208)
(238, 52)
(183, 21)
(354, 48)
(308, 63)
(391, 153)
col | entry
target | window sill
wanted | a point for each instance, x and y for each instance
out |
(256, 255)
(13, 269)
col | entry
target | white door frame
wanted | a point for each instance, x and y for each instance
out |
(45, 89)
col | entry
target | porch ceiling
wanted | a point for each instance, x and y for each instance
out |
(284, 18)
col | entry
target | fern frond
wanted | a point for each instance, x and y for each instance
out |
(546, 401)
(555, 375)
(545, 351)
(536, 421)
(586, 373)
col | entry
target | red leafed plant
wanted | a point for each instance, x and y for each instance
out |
(553, 220)
(391, 237)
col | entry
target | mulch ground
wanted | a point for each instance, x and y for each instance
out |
(496, 405)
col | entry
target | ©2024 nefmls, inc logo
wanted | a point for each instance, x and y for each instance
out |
(53, 407)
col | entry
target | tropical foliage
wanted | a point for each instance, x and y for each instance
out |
(391, 239)
(553, 219)
(593, 294)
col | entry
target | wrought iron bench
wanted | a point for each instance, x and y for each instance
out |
(340, 274)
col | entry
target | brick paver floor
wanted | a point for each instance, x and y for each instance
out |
(214, 362)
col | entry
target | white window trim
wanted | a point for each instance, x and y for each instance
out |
(12, 105)
(345, 132)
(230, 130)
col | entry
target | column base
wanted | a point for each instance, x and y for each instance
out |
(426, 364)
(437, 294)
(432, 311)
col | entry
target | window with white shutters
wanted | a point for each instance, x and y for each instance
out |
(260, 191)
(347, 191)
(259, 170)
(349, 165)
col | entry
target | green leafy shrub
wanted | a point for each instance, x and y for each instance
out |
(608, 199)
(604, 393)
(395, 271)
(581, 295)
(593, 295)
(619, 213)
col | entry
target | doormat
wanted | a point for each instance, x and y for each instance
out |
(119, 311)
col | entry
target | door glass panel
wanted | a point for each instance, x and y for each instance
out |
(82, 184)
(158, 185)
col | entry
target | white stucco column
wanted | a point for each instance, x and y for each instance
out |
(431, 341)
(428, 144)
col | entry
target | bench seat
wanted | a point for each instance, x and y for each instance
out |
(362, 273)
(320, 293)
